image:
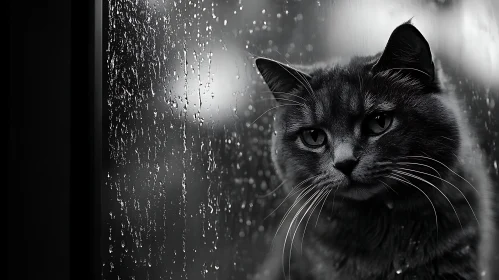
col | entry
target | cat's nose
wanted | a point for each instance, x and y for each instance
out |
(344, 160)
(346, 165)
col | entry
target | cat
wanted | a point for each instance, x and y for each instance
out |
(387, 180)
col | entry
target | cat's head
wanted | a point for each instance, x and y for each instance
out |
(349, 127)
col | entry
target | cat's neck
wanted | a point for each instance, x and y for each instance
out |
(366, 222)
(376, 236)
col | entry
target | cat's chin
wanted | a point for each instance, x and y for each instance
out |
(360, 191)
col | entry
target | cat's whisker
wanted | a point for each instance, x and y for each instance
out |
(312, 206)
(458, 159)
(443, 180)
(309, 86)
(420, 164)
(283, 92)
(385, 163)
(443, 144)
(324, 202)
(381, 167)
(297, 214)
(380, 171)
(435, 187)
(295, 187)
(432, 159)
(388, 186)
(273, 191)
(300, 80)
(293, 101)
(450, 147)
(275, 107)
(280, 98)
(309, 210)
(306, 224)
(309, 89)
(384, 185)
(303, 193)
(295, 95)
(452, 140)
(403, 180)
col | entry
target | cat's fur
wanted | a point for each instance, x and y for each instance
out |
(366, 229)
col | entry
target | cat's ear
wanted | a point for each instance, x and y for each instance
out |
(281, 78)
(407, 49)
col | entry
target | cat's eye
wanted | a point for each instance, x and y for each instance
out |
(313, 138)
(379, 122)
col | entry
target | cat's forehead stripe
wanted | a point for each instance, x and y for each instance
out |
(304, 116)
(385, 106)
(308, 116)
(353, 102)
(319, 112)
(369, 100)
(371, 105)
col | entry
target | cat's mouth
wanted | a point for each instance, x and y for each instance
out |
(355, 190)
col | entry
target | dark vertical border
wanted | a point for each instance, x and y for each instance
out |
(99, 69)
(38, 106)
(86, 119)
(104, 124)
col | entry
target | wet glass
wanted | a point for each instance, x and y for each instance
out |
(189, 186)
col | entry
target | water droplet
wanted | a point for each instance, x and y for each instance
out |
(400, 264)
(492, 103)
(465, 250)
(389, 204)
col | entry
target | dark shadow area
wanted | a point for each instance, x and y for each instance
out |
(38, 169)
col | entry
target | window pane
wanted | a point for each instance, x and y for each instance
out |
(188, 187)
